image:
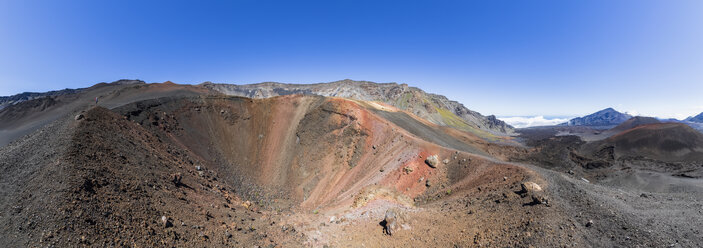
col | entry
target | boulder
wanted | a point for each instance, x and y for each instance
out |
(246, 204)
(79, 116)
(392, 221)
(534, 191)
(166, 222)
(445, 161)
(176, 178)
(432, 161)
(539, 198)
(530, 187)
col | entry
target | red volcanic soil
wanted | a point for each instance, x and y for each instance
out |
(326, 147)
(322, 157)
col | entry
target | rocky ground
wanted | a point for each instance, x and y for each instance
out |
(632, 202)
(117, 185)
(201, 170)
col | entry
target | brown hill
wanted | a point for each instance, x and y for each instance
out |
(661, 141)
(634, 122)
(629, 124)
(24, 116)
(670, 148)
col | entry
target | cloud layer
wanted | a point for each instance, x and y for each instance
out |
(532, 121)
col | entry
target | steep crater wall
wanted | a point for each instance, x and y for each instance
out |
(307, 151)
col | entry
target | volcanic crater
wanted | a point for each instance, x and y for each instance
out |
(178, 165)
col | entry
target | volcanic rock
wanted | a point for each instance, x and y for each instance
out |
(176, 178)
(530, 187)
(432, 161)
(392, 221)
(166, 222)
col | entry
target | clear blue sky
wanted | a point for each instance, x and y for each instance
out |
(497, 57)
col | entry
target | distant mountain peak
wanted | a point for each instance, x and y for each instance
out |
(607, 110)
(698, 118)
(605, 118)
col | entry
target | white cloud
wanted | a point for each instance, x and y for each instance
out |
(633, 113)
(532, 121)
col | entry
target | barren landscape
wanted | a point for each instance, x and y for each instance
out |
(171, 165)
(323, 124)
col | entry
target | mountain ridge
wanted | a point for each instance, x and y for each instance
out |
(436, 108)
(698, 118)
(26, 96)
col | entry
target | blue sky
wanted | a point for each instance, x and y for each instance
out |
(508, 58)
